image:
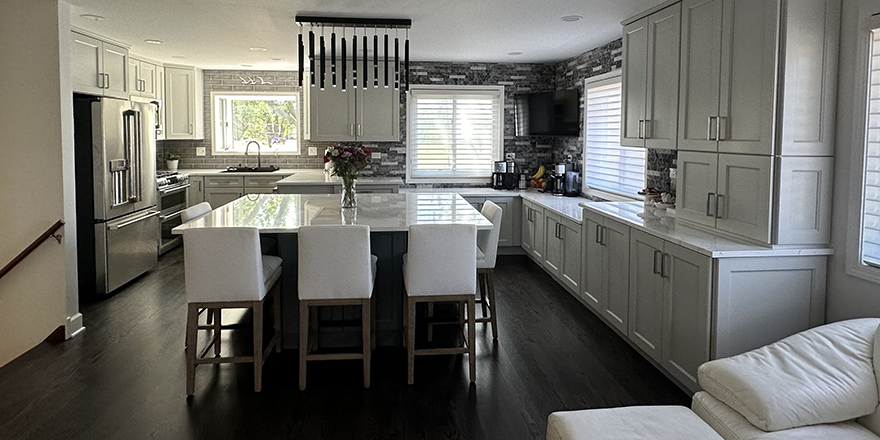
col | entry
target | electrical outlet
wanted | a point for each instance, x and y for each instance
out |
(313, 151)
(509, 156)
(673, 173)
(200, 151)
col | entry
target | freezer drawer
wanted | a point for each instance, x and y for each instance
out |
(126, 248)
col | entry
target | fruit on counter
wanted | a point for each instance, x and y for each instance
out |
(537, 183)
(540, 173)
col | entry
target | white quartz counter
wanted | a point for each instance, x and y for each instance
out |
(222, 171)
(319, 177)
(659, 223)
(568, 207)
(285, 213)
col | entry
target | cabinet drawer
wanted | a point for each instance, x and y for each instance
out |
(224, 181)
(258, 181)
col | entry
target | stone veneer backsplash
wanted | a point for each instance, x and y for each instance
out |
(515, 77)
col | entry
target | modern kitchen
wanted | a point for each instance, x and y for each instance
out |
(414, 221)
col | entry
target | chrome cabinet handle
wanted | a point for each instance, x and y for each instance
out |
(645, 132)
(360, 130)
(709, 204)
(558, 233)
(107, 84)
(709, 129)
(351, 129)
(598, 234)
(656, 253)
(718, 128)
(717, 204)
(190, 129)
(663, 273)
(641, 124)
(602, 240)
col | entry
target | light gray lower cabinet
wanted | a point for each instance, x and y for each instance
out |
(646, 286)
(533, 231)
(606, 268)
(196, 190)
(218, 197)
(562, 254)
(222, 189)
(510, 217)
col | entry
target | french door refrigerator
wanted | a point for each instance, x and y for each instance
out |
(117, 219)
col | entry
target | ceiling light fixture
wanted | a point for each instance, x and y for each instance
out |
(571, 18)
(276, 59)
(92, 17)
(153, 41)
(258, 49)
(247, 65)
(514, 53)
(178, 57)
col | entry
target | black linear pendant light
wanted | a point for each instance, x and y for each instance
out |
(376, 23)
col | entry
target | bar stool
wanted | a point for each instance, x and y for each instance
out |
(487, 251)
(335, 269)
(225, 270)
(439, 266)
(194, 212)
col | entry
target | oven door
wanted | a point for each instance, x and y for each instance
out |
(172, 196)
(168, 220)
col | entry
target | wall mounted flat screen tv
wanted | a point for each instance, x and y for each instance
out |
(547, 113)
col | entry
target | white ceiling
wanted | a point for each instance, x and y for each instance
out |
(217, 34)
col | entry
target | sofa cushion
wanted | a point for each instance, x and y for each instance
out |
(731, 425)
(629, 423)
(872, 421)
(822, 375)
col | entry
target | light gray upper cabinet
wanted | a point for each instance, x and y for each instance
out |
(367, 114)
(758, 76)
(697, 182)
(184, 106)
(650, 80)
(142, 76)
(98, 67)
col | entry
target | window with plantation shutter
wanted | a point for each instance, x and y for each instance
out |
(608, 166)
(455, 133)
(870, 246)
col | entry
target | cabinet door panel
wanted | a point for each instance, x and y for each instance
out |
(196, 190)
(332, 113)
(697, 175)
(179, 97)
(378, 112)
(744, 200)
(700, 73)
(687, 307)
(646, 293)
(538, 222)
(570, 271)
(526, 237)
(147, 74)
(634, 81)
(220, 196)
(552, 244)
(115, 68)
(85, 64)
(508, 221)
(616, 273)
(748, 75)
(592, 265)
(661, 104)
(133, 76)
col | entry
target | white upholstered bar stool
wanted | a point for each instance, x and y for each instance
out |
(195, 211)
(335, 268)
(439, 266)
(224, 269)
(487, 252)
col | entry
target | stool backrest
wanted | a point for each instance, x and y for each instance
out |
(195, 211)
(334, 262)
(223, 264)
(441, 260)
(488, 240)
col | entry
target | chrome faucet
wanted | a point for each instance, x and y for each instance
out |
(258, 150)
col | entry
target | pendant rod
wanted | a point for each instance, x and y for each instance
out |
(354, 22)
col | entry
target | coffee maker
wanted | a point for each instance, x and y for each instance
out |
(504, 176)
(558, 178)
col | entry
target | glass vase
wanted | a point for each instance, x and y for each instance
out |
(349, 194)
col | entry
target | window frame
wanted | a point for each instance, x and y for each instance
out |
(215, 142)
(615, 76)
(853, 254)
(497, 150)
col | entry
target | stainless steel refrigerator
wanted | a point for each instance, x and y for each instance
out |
(117, 219)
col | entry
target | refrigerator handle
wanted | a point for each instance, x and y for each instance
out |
(133, 221)
(132, 137)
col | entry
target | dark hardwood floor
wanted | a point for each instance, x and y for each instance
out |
(123, 378)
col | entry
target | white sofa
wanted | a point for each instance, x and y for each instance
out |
(818, 384)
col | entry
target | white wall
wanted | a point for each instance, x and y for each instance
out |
(848, 296)
(36, 172)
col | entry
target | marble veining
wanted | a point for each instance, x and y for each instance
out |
(320, 177)
(658, 223)
(285, 213)
(568, 207)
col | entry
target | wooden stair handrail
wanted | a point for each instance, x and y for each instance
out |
(23, 254)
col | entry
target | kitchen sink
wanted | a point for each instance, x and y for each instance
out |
(265, 169)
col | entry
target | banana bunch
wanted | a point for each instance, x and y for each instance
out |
(540, 173)
(537, 180)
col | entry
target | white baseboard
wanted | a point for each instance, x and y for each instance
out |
(74, 326)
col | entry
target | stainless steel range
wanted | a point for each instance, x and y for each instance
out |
(172, 200)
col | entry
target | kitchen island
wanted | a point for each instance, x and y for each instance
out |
(389, 217)
(313, 181)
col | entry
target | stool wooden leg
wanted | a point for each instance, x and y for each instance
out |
(472, 359)
(366, 316)
(461, 319)
(430, 324)
(490, 281)
(481, 282)
(258, 345)
(276, 310)
(192, 325)
(303, 342)
(373, 322)
(410, 339)
(217, 326)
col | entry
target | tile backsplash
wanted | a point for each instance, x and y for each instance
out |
(531, 151)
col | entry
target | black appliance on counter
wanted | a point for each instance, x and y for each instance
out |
(572, 184)
(504, 176)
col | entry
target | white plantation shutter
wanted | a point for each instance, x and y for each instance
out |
(609, 167)
(454, 133)
(871, 203)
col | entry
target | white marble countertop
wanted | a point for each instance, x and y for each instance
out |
(319, 177)
(213, 171)
(285, 213)
(659, 223)
(568, 207)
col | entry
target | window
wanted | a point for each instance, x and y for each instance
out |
(870, 234)
(608, 166)
(455, 133)
(270, 119)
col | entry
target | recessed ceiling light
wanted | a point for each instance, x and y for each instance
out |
(514, 53)
(571, 18)
(92, 17)
(276, 59)
(178, 57)
(258, 49)
(153, 41)
(247, 65)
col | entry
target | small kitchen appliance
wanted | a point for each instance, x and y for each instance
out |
(572, 184)
(172, 201)
(505, 176)
(558, 182)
